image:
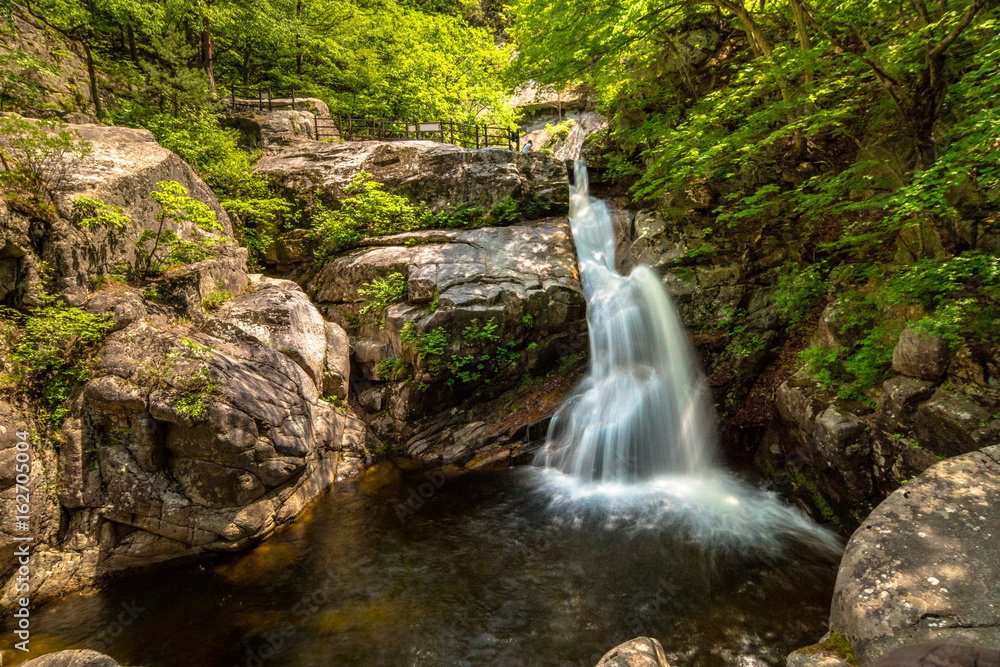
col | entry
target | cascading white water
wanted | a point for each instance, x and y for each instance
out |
(644, 409)
(635, 445)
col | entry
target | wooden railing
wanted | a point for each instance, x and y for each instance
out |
(445, 131)
(262, 103)
(467, 135)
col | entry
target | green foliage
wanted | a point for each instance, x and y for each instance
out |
(504, 213)
(561, 130)
(91, 212)
(176, 207)
(173, 80)
(799, 290)
(369, 211)
(197, 386)
(381, 292)
(19, 86)
(481, 334)
(807, 114)
(55, 345)
(106, 280)
(960, 296)
(216, 299)
(395, 369)
(36, 156)
(430, 345)
(215, 154)
(838, 644)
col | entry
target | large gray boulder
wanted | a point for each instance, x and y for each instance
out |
(920, 356)
(278, 127)
(523, 278)
(924, 566)
(195, 438)
(441, 175)
(122, 168)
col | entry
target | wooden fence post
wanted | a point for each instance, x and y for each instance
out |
(340, 126)
(316, 127)
(406, 129)
(350, 128)
(373, 128)
(477, 137)
(383, 130)
(260, 99)
(518, 144)
(453, 131)
(269, 98)
(441, 127)
(293, 98)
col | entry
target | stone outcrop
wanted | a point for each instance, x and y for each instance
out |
(924, 566)
(933, 654)
(562, 135)
(815, 656)
(920, 356)
(281, 125)
(122, 167)
(62, 82)
(638, 652)
(441, 175)
(916, 422)
(193, 439)
(534, 97)
(825, 440)
(520, 282)
(72, 658)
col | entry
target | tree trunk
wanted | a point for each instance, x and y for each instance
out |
(246, 69)
(206, 44)
(132, 52)
(298, 41)
(92, 72)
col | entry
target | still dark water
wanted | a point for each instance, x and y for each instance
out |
(482, 573)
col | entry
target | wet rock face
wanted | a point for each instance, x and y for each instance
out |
(924, 565)
(122, 168)
(638, 652)
(441, 175)
(193, 438)
(521, 280)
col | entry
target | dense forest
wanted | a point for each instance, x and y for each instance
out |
(871, 128)
(787, 252)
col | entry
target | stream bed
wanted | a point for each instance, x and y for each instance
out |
(478, 570)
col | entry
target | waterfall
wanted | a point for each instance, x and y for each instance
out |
(635, 445)
(644, 408)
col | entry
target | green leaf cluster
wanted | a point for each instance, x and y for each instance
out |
(55, 343)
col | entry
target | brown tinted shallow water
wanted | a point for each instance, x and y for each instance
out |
(483, 572)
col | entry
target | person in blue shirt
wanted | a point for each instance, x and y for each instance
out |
(527, 146)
